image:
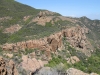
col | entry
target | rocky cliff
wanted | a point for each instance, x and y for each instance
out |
(74, 35)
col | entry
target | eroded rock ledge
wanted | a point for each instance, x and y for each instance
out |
(74, 35)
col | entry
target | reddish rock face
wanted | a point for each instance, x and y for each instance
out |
(54, 45)
(31, 64)
(74, 35)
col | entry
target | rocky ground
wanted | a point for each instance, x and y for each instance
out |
(35, 67)
(76, 36)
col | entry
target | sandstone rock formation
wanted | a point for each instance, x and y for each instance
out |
(42, 18)
(12, 29)
(73, 59)
(7, 68)
(73, 71)
(12, 68)
(74, 35)
(55, 41)
(47, 16)
(77, 38)
(50, 43)
(31, 64)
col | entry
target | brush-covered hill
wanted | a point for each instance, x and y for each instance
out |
(13, 16)
(34, 40)
(12, 13)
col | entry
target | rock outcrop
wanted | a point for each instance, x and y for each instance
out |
(73, 59)
(73, 71)
(42, 18)
(75, 36)
(49, 43)
(7, 68)
(46, 16)
(12, 29)
(70, 71)
(31, 64)
(12, 68)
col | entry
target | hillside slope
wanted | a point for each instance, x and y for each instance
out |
(31, 39)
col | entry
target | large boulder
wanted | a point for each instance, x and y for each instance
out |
(7, 68)
(73, 59)
(73, 71)
(31, 64)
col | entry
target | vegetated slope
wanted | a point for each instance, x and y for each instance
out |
(13, 14)
(94, 29)
(15, 9)
(23, 24)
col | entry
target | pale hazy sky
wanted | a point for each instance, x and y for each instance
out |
(74, 8)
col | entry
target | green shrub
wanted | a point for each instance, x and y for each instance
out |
(56, 61)
(28, 51)
(92, 64)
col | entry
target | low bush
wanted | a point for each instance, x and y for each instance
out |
(92, 64)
